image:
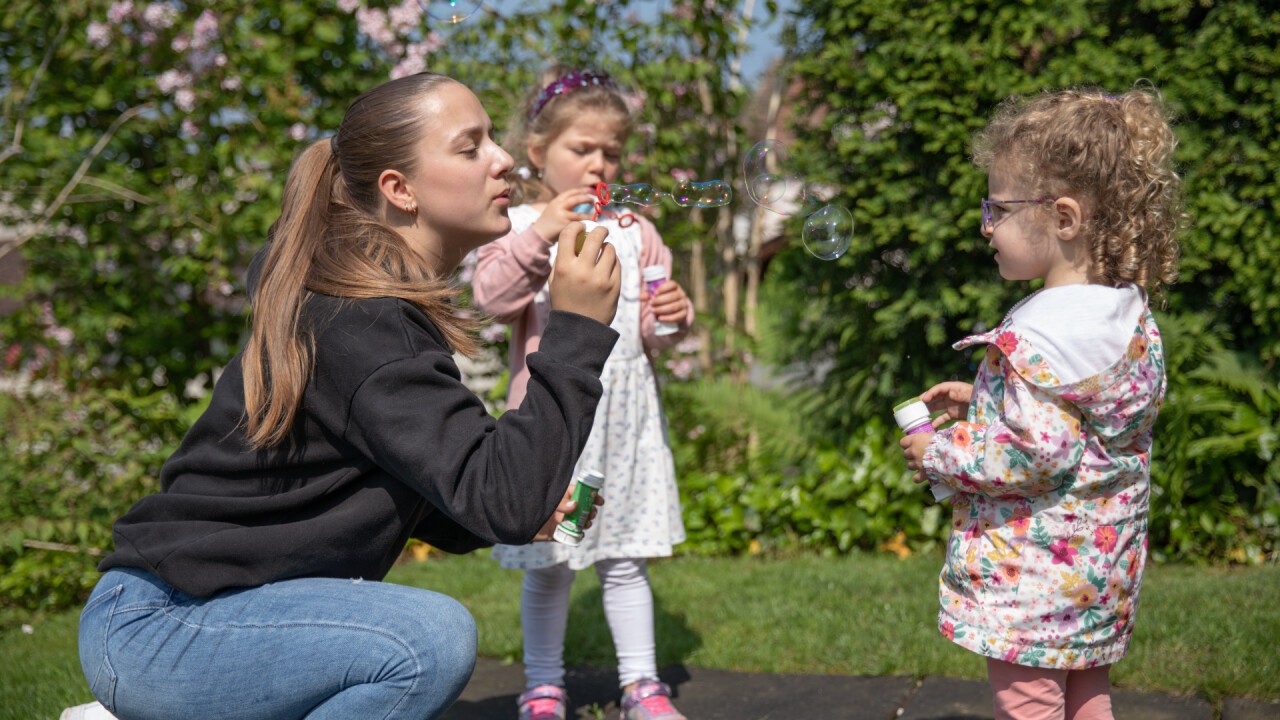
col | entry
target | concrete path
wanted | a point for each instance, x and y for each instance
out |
(722, 695)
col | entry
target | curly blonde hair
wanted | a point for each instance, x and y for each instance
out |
(552, 120)
(1113, 153)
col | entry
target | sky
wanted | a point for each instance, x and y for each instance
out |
(764, 41)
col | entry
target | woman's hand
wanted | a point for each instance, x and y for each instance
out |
(559, 212)
(566, 506)
(670, 303)
(951, 397)
(586, 282)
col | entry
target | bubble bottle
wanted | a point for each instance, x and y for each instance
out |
(570, 530)
(654, 276)
(912, 416)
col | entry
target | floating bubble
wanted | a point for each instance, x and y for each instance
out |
(712, 193)
(450, 11)
(770, 180)
(637, 194)
(828, 233)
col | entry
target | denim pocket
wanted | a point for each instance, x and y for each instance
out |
(95, 626)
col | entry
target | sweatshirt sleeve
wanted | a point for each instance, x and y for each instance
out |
(498, 479)
(509, 273)
(654, 252)
(1030, 449)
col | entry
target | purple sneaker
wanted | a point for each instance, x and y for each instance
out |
(544, 702)
(650, 700)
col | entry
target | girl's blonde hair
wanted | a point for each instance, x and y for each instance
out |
(1114, 153)
(550, 120)
(329, 240)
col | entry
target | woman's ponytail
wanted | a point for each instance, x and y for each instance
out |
(278, 357)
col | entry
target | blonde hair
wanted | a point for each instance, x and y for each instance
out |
(328, 240)
(1114, 153)
(525, 133)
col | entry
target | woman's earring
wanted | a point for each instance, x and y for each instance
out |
(411, 208)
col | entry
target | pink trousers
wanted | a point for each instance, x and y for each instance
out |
(1029, 693)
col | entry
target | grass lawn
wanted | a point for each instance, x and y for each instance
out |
(1208, 631)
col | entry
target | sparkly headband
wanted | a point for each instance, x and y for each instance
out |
(575, 80)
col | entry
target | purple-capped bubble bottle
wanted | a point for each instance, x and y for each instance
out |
(912, 416)
(654, 276)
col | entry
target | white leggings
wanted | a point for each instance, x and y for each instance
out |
(628, 606)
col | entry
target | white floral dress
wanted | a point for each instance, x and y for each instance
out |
(1052, 479)
(628, 443)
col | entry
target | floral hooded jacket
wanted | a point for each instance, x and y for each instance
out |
(1049, 525)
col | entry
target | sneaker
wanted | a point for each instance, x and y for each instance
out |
(92, 711)
(544, 702)
(650, 700)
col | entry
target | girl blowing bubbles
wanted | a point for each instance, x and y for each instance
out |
(568, 138)
(1050, 456)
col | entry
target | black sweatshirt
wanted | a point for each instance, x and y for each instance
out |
(387, 444)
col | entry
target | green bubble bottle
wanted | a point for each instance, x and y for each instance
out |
(570, 530)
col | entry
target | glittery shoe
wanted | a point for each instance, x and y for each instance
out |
(650, 700)
(544, 702)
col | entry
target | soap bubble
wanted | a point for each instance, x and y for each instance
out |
(712, 193)
(828, 233)
(450, 11)
(637, 194)
(770, 180)
(775, 185)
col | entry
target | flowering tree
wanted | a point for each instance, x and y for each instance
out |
(143, 144)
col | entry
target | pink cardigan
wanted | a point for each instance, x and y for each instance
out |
(512, 269)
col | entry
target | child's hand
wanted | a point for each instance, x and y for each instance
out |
(586, 282)
(952, 398)
(913, 447)
(559, 212)
(669, 303)
(566, 506)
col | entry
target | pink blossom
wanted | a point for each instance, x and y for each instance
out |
(231, 83)
(185, 99)
(119, 12)
(414, 61)
(681, 368)
(159, 15)
(180, 43)
(205, 31)
(148, 38)
(297, 131)
(405, 17)
(373, 22)
(220, 60)
(494, 333)
(189, 128)
(99, 34)
(433, 42)
(348, 6)
(635, 101)
(689, 344)
(682, 174)
(172, 80)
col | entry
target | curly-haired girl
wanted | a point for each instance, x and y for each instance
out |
(1050, 456)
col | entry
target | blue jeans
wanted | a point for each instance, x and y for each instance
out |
(307, 648)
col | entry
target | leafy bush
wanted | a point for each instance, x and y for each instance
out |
(72, 462)
(1215, 473)
(751, 480)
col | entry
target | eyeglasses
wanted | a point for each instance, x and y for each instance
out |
(989, 208)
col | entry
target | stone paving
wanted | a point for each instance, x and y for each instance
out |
(703, 694)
